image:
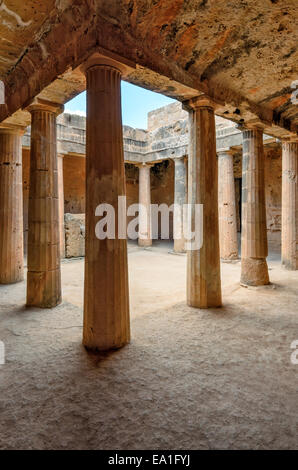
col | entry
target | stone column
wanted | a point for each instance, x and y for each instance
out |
(227, 206)
(61, 205)
(106, 296)
(289, 230)
(179, 201)
(11, 205)
(44, 276)
(254, 250)
(203, 264)
(145, 229)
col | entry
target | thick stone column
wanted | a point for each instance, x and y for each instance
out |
(227, 206)
(106, 297)
(145, 228)
(179, 201)
(11, 205)
(289, 230)
(44, 276)
(203, 264)
(254, 250)
(61, 205)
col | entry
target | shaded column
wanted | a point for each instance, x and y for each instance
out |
(106, 296)
(227, 206)
(254, 250)
(289, 224)
(11, 205)
(44, 276)
(179, 201)
(203, 264)
(61, 205)
(145, 228)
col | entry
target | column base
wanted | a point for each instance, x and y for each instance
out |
(5, 280)
(289, 265)
(254, 272)
(231, 257)
(144, 242)
(213, 303)
(179, 246)
(44, 289)
(91, 346)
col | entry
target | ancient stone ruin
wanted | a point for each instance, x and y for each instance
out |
(203, 359)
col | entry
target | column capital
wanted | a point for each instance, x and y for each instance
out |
(253, 126)
(39, 104)
(12, 129)
(201, 101)
(225, 151)
(111, 60)
(290, 140)
(179, 159)
(144, 164)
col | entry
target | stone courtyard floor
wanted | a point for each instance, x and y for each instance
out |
(190, 379)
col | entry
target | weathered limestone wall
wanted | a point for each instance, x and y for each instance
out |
(273, 175)
(162, 188)
(132, 186)
(74, 174)
(165, 115)
(74, 235)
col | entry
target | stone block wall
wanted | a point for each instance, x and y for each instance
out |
(74, 235)
(74, 176)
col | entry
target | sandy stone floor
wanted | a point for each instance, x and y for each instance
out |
(196, 379)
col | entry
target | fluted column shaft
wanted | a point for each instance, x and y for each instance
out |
(145, 229)
(61, 205)
(44, 276)
(289, 230)
(254, 249)
(203, 265)
(227, 207)
(11, 206)
(179, 201)
(106, 296)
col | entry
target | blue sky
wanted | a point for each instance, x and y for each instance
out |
(136, 103)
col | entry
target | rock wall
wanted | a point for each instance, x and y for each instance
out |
(74, 175)
(162, 188)
(273, 175)
(74, 235)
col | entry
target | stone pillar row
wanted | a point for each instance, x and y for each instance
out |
(227, 206)
(44, 275)
(11, 205)
(145, 222)
(289, 233)
(145, 216)
(106, 295)
(203, 263)
(106, 298)
(254, 249)
(61, 205)
(180, 198)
